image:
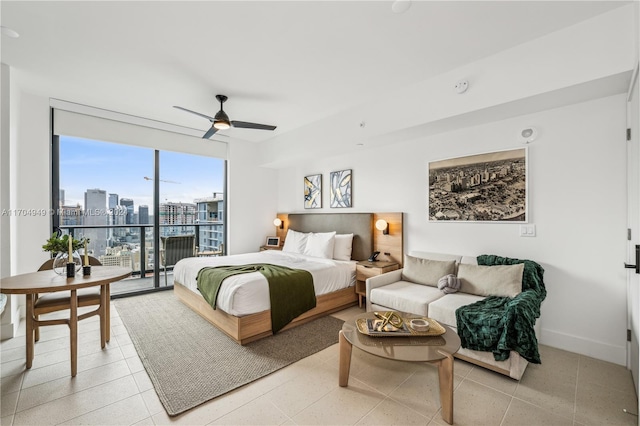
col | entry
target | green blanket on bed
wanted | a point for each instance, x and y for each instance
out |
(502, 324)
(291, 291)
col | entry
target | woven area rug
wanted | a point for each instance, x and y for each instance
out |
(190, 361)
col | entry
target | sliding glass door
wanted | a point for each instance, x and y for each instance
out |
(128, 200)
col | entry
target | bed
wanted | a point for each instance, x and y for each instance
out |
(243, 310)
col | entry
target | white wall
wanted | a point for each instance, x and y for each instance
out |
(10, 315)
(577, 198)
(252, 196)
(31, 183)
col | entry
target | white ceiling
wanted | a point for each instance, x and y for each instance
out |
(283, 63)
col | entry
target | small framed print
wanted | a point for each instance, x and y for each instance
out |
(341, 188)
(273, 242)
(313, 192)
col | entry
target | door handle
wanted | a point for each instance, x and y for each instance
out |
(637, 265)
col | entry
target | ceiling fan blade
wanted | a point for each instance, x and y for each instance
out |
(210, 133)
(247, 125)
(196, 113)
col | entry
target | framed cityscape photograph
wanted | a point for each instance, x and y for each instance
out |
(313, 192)
(490, 187)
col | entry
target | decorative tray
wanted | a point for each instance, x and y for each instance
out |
(369, 326)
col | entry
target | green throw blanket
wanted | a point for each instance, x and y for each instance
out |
(502, 324)
(291, 291)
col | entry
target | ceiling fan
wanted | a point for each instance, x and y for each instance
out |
(221, 120)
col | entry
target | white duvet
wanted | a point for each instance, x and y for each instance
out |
(246, 294)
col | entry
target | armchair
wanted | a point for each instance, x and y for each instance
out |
(175, 248)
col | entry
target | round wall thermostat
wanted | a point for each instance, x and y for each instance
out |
(528, 134)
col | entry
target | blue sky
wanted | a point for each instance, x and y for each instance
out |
(121, 169)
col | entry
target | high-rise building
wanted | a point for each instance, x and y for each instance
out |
(128, 203)
(143, 215)
(70, 215)
(179, 216)
(210, 217)
(113, 205)
(96, 213)
(61, 196)
(113, 200)
(118, 217)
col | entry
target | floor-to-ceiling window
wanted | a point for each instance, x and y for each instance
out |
(192, 199)
(128, 199)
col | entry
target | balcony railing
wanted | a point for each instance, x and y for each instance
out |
(136, 243)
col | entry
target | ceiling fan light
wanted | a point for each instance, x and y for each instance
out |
(221, 124)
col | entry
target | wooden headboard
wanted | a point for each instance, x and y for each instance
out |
(360, 224)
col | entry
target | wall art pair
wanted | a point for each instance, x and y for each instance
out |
(340, 190)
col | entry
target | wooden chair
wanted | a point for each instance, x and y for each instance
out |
(59, 301)
(175, 248)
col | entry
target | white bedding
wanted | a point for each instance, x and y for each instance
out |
(246, 294)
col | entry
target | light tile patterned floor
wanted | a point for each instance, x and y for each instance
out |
(112, 387)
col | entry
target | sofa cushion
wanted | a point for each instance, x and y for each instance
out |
(406, 297)
(443, 310)
(498, 280)
(426, 271)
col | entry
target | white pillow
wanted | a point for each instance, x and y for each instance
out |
(498, 280)
(320, 244)
(295, 242)
(342, 247)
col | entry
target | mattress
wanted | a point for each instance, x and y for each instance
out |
(247, 294)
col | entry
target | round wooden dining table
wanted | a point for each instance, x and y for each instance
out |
(33, 283)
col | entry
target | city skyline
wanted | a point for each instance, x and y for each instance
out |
(128, 172)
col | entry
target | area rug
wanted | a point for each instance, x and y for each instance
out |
(190, 361)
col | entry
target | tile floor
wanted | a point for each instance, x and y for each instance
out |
(113, 388)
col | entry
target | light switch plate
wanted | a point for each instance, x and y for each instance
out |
(528, 230)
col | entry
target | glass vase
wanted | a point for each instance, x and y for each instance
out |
(61, 259)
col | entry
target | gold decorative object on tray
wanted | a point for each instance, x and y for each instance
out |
(389, 318)
(392, 324)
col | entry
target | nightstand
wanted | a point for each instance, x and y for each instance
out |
(366, 269)
(263, 248)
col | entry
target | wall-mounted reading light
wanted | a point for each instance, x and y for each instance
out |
(382, 225)
(278, 223)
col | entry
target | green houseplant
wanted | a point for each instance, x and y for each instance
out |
(58, 246)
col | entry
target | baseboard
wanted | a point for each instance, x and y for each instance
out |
(10, 329)
(582, 346)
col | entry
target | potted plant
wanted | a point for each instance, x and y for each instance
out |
(58, 246)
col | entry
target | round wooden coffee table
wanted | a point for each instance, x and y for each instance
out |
(437, 350)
